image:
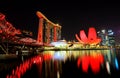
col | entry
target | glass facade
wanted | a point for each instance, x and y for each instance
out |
(107, 36)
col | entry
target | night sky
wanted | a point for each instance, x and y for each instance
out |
(72, 16)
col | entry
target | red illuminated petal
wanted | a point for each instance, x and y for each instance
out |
(78, 39)
(83, 36)
(92, 34)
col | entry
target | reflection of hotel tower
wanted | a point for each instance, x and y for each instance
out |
(47, 31)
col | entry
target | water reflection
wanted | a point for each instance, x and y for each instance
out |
(116, 63)
(94, 61)
(57, 64)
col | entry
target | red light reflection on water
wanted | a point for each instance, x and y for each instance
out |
(93, 61)
(22, 68)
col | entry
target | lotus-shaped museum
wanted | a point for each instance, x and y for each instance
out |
(92, 38)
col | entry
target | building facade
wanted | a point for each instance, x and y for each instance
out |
(47, 31)
(107, 36)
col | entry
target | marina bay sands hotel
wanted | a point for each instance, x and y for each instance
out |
(47, 30)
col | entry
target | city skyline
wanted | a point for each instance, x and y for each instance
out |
(72, 16)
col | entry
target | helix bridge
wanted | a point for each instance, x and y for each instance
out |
(13, 40)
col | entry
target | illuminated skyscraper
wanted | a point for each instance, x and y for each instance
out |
(47, 31)
(107, 37)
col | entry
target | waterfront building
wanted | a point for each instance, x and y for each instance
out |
(48, 31)
(91, 39)
(107, 36)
